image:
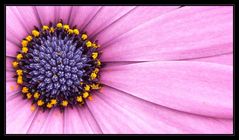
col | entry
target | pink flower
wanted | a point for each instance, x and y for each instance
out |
(168, 69)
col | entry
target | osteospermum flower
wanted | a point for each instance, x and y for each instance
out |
(92, 69)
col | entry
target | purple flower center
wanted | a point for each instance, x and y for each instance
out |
(58, 67)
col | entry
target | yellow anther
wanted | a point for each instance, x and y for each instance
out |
(70, 31)
(24, 43)
(87, 88)
(84, 36)
(93, 75)
(95, 86)
(59, 25)
(76, 31)
(81, 83)
(49, 105)
(94, 45)
(51, 30)
(15, 64)
(19, 80)
(98, 62)
(29, 95)
(19, 72)
(96, 70)
(24, 90)
(66, 27)
(79, 99)
(33, 107)
(45, 27)
(36, 95)
(19, 56)
(24, 49)
(53, 101)
(88, 44)
(90, 98)
(40, 102)
(94, 55)
(85, 94)
(35, 33)
(64, 103)
(29, 38)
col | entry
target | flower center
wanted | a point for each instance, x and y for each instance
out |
(57, 67)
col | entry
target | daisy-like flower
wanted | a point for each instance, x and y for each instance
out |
(113, 69)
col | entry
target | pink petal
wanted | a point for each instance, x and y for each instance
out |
(47, 14)
(10, 76)
(105, 17)
(80, 121)
(186, 33)
(49, 122)
(11, 48)
(9, 61)
(55, 121)
(15, 30)
(28, 17)
(18, 115)
(64, 13)
(194, 87)
(134, 18)
(83, 15)
(226, 59)
(120, 112)
(11, 89)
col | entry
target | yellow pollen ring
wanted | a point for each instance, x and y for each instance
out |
(40, 102)
(98, 62)
(35, 33)
(85, 94)
(64, 103)
(24, 49)
(66, 27)
(29, 38)
(29, 95)
(24, 43)
(59, 25)
(87, 88)
(49, 105)
(15, 64)
(79, 99)
(45, 27)
(19, 72)
(93, 75)
(24, 90)
(84, 36)
(88, 44)
(36, 95)
(94, 55)
(90, 98)
(51, 30)
(19, 56)
(19, 80)
(70, 31)
(53, 101)
(76, 31)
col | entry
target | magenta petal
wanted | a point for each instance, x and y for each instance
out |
(15, 30)
(105, 17)
(79, 121)
(12, 49)
(194, 87)
(134, 18)
(226, 59)
(47, 14)
(10, 76)
(64, 13)
(120, 112)
(9, 61)
(83, 15)
(18, 115)
(11, 89)
(186, 33)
